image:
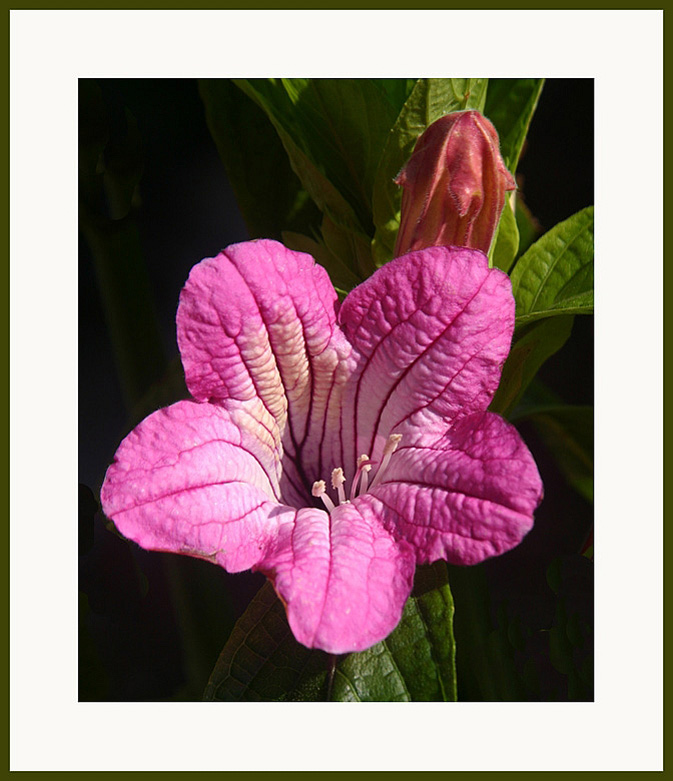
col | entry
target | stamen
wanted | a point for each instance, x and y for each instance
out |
(364, 467)
(338, 481)
(388, 450)
(319, 490)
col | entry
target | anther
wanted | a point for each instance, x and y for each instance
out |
(319, 490)
(338, 481)
(390, 447)
(362, 475)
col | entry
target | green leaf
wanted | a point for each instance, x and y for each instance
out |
(351, 247)
(396, 90)
(352, 118)
(506, 244)
(556, 275)
(510, 105)
(530, 349)
(429, 100)
(343, 278)
(268, 192)
(333, 131)
(417, 660)
(528, 227)
(262, 661)
(568, 432)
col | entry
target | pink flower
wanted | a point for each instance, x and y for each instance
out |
(454, 185)
(333, 447)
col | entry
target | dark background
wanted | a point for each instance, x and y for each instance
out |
(152, 625)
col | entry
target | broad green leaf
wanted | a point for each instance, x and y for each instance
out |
(429, 100)
(417, 660)
(262, 660)
(268, 192)
(530, 349)
(322, 191)
(349, 120)
(333, 131)
(556, 274)
(331, 140)
(353, 249)
(510, 105)
(396, 90)
(506, 244)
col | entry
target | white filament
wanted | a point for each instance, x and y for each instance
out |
(360, 484)
(319, 490)
(390, 447)
(361, 476)
(338, 481)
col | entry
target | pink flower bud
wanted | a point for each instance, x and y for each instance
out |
(454, 185)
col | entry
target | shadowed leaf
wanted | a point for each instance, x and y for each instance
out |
(262, 661)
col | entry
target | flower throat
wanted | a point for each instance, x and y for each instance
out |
(360, 484)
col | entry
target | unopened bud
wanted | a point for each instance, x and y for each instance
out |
(454, 185)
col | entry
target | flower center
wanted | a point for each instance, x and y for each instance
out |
(360, 484)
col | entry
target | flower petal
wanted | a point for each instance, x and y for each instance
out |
(432, 330)
(259, 321)
(465, 494)
(343, 578)
(190, 480)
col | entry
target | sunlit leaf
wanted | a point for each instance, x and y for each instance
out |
(510, 105)
(556, 274)
(506, 244)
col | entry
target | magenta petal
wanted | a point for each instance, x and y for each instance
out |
(189, 480)
(343, 578)
(259, 322)
(463, 495)
(432, 329)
